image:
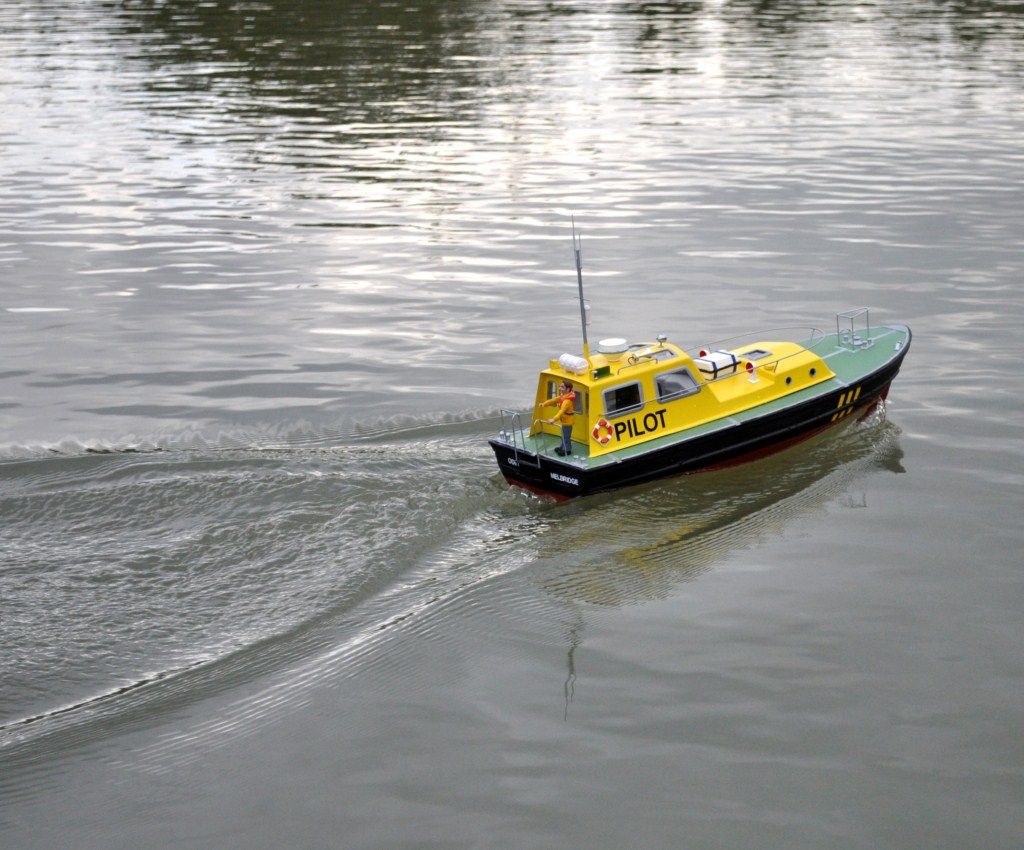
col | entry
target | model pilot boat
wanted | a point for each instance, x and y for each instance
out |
(644, 410)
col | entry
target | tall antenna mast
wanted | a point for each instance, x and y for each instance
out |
(577, 249)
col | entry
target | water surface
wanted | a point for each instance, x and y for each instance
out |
(269, 271)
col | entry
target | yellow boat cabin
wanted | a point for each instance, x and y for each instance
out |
(626, 395)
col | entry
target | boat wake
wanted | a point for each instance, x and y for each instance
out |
(251, 577)
(218, 568)
(296, 435)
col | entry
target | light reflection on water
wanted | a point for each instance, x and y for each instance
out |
(641, 549)
(296, 257)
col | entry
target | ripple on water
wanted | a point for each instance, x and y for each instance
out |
(249, 544)
(370, 545)
(228, 222)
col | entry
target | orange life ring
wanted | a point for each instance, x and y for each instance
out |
(602, 431)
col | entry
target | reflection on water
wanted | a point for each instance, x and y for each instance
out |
(640, 547)
(292, 254)
(328, 556)
(248, 218)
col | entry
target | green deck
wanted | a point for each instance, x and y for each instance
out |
(848, 364)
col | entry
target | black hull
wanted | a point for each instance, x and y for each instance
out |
(764, 434)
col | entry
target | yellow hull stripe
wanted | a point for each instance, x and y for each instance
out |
(845, 399)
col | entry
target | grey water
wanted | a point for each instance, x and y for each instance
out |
(268, 272)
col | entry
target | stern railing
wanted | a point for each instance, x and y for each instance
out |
(512, 434)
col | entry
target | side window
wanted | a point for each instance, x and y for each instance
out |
(581, 402)
(624, 399)
(672, 385)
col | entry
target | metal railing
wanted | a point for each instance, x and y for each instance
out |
(848, 335)
(512, 434)
(812, 338)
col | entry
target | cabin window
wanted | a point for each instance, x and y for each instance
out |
(756, 354)
(677, 384)
(624, 399)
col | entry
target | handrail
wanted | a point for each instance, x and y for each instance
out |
(634, 360)
(508, 434)
(816, 336)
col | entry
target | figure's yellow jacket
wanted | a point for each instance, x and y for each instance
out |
(564, 416)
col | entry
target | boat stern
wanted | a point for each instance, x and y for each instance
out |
(537, 472)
